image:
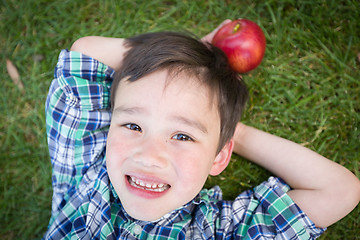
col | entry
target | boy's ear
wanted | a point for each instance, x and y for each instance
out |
(222, 159)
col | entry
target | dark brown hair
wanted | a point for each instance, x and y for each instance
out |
(183, 53)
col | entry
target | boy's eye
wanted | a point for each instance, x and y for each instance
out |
(182, 137)
(133, 127)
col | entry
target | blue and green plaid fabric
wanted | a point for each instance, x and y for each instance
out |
(85, 205)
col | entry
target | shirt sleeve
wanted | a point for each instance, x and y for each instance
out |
(272, 214)
(77, 119)
(265, 212)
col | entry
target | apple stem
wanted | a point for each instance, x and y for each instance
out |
(236, 28)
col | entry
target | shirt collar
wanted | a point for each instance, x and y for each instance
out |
(201, 200)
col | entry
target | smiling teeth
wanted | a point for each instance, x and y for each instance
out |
(155, 187)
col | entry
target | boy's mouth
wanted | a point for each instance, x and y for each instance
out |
(149, 186)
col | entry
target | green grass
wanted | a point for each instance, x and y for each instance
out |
(307, 88)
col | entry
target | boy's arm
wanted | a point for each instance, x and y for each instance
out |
(78, 115)
(109, 51)
(323, 189)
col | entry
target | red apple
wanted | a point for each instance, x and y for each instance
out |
(243, 42)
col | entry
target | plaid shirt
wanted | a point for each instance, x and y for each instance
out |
(85, 205)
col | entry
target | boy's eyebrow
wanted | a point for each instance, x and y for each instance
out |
(190, 122)
(129, 110)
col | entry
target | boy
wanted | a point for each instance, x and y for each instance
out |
(130, 162)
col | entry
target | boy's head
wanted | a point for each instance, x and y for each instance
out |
(178, 52)
(176, 103)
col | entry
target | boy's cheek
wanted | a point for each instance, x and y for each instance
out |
(114, 165)
(114, 154)
(114, 139)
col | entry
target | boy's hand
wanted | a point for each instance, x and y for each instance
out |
(209, 37)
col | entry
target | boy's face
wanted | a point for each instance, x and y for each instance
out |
(162, 143)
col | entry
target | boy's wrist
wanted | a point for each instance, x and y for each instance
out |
(240, 130)
(239, 136)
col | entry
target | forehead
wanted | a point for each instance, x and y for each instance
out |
(189, 84)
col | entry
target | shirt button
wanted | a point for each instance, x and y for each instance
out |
(137, 229)
(72, 100)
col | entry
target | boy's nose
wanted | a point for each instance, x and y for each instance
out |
(152, 153)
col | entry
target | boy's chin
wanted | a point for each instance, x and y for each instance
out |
(150, 210)
(146, 215)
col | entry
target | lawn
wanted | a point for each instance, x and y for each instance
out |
(307, 88)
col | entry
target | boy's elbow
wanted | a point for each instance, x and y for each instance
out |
(340, 198)
(354, 188)
(81, 44)
(357, 190)
(349, 192)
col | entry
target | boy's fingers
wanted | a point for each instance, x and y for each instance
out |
(210, 36)
(226, 21)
